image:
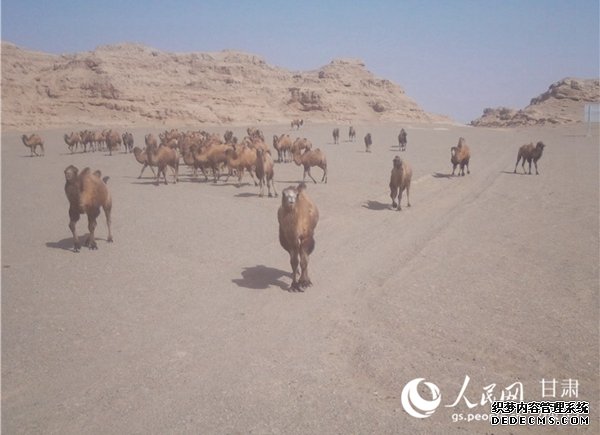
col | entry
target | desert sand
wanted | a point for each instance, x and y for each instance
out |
(185, 323)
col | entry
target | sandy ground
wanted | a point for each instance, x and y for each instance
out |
(184, 324)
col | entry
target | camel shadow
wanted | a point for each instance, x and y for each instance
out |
(67, 244)
(513, 173)
(64, 244)
(440, 175)
(289, 181)
(376, 205)
(153, 182)
(262, 277)
(229, 184)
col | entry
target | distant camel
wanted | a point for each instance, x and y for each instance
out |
(402, 140)
(368, 142)
(460, 156)
(32, 142)
(529, 152)
(336, 135)
(351, 134)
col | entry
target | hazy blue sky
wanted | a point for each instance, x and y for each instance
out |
(454, 57)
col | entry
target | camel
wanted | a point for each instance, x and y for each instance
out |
(298, 217)
(312, 158)
(529, 152)
(32, 142)
(87, 192)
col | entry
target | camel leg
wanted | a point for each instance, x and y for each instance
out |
(393, 195)
(273, 185)
(240, 176)
(324, 179)
(261, 193)
(529, 161)
(408, 195)
(91, 240)
(73, 218)
(107, 210)
(400, 199)
(252, 176)
(307, 171)
(536, 169)
(175, 172)
(304, 279)
(204, 173)
(294, 263)
(453, 168)
(144, 167)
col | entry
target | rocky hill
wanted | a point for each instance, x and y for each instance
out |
(563, 103)
(129, 84)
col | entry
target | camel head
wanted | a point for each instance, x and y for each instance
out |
(71, 173)
(397, 162)
(540, 145)
(289, 197)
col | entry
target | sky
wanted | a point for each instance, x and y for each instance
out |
(453, 57)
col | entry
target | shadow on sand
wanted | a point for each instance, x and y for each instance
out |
(262, 277)
(246, 195)
(376, 205)
(67, 244)
(440, 175)
(513, 173)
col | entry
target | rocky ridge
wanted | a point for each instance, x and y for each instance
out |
(562, 103)
(130, 84)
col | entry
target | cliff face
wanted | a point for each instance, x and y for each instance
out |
(131, 84)
(563, 103)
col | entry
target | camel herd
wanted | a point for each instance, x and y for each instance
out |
(103, 140)
(224, 156)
